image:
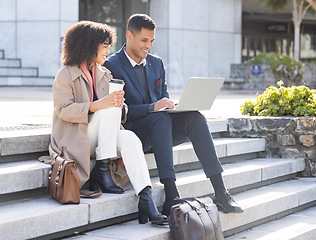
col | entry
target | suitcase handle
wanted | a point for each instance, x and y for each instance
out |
(187, 200)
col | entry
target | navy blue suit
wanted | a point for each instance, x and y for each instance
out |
(160, 131)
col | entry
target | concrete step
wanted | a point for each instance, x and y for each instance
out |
(21, 140)
(28, 138)
(26, 81)
(183, 154)
(225, 147)
(238, 80)
(26, 175)
(10, 63)
(300, 225)
(18, 72)
(259, 205)
(33, 218)
(22, 176)
(266, 202)
(217, 125)
(192, 183)
(237, 175)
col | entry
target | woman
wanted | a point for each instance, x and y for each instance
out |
(87, 118)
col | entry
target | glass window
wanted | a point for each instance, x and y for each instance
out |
(308, 44)
(244, 48)
(112, 12)
(259, 48)
(284, 47)
(273, 47)
(252, 47)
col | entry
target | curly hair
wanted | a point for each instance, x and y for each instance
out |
(81, 42)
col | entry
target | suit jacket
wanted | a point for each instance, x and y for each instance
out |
(135, 96)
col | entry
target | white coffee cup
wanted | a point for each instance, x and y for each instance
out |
(116, 85)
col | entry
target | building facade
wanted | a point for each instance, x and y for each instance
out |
(197, 38)
(194, 38)
(264, 30)
(31, 30)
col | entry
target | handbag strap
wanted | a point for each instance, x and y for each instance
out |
(64, 152)
(94, 194)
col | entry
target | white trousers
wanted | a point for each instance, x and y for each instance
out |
(108, 141)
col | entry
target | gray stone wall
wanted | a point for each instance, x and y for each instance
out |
(242, 77)
(287, 137)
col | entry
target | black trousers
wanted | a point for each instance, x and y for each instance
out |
(160, 131)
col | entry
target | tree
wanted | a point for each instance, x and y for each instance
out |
(299, 10)
(313, 3)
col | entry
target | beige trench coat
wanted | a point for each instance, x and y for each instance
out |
(71, 95)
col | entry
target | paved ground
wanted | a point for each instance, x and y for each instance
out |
(33, 105)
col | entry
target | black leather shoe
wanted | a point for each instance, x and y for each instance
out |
(171, 193)
(147, 209)
(226, 203)
(166, 207)
(101, 176)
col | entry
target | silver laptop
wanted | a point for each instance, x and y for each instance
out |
(199, 94)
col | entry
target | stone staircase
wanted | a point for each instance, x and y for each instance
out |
(267, 189)
(13, 74)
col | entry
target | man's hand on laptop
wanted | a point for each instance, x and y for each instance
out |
(163, 104)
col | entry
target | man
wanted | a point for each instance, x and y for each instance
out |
(146, 94)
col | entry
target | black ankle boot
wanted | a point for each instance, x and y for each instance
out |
(171, 193)
(101, 175)
(147, 209)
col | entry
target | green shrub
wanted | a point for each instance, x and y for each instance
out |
(291, 101)
(283, 65)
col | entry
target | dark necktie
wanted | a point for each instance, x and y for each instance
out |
(141, 74)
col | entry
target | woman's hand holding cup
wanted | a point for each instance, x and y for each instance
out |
(115, 99)
(118, 98)
(116, 87)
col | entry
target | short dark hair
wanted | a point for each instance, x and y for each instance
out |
(138, 21)
(81, 42)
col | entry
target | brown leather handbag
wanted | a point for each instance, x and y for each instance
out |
(64, 182)
(195, 219)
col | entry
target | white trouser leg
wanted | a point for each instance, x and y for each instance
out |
(134, 160)
(102, 132)
(107, 141)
